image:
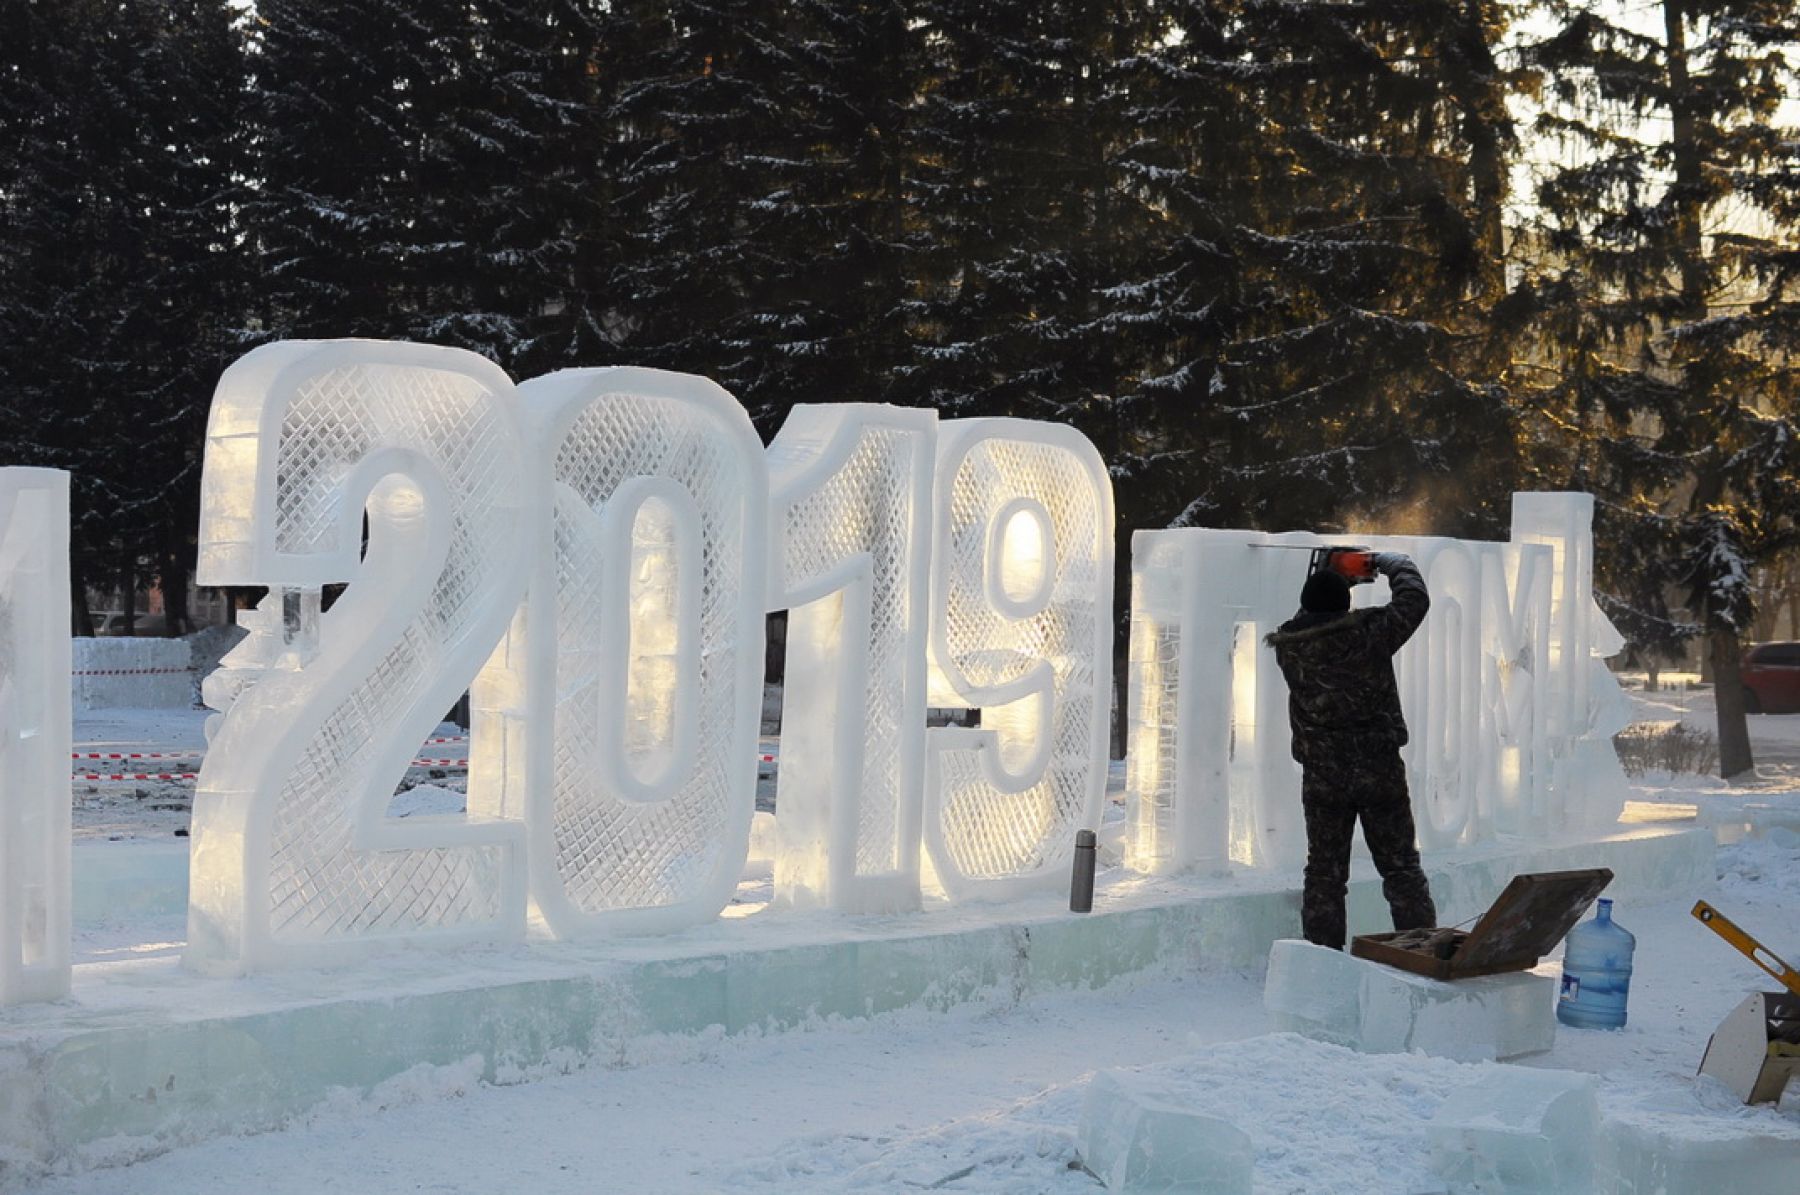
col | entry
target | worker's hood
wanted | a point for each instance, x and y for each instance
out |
(1308, 624)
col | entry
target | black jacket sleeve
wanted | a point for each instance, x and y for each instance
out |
(1406, 606)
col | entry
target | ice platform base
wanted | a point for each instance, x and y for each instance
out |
(1376, 1009)
(144, 1055)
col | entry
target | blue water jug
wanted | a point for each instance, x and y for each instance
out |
(1596, 973)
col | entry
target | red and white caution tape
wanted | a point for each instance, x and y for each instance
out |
(135, 776)
(195, 754)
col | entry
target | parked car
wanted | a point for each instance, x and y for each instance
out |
(1771, 675)
(114, 624)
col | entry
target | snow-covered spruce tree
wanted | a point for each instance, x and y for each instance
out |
(357, 216)
(830, 318)
(999, 150)
(710, 125)
(1359, 378)
(508, 186)
(1667, 317)
(120, 283)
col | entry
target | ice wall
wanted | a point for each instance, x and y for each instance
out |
(1510, 709)
(34, 735)
(131, 672)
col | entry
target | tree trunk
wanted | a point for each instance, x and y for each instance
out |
(176, 619)
(78, 601)
(128, 599)
(1728, 693)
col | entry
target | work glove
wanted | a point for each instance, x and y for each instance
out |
(1386, 562)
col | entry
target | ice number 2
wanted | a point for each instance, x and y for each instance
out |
(294, 858)
(1021, 599)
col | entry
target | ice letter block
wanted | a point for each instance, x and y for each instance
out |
(643, 644)
(1332, 996)
(1134, 1138)
(850, 548)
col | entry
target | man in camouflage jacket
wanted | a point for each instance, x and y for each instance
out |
(1344, 707)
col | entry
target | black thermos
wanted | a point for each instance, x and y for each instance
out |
(1081, 887)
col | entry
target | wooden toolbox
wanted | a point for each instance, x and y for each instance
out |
(1522, 925)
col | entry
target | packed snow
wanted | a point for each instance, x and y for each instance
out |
(988, 1096)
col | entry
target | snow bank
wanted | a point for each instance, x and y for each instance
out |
(131, 673)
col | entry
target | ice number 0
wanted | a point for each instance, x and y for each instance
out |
(1021, 601)
(643, 655)
(294, 859)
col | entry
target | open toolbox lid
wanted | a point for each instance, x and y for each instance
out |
(1524, 923)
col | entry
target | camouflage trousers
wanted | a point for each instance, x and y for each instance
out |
(1372, 788)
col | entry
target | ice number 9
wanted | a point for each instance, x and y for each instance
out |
(294, 859)
(1021, 599)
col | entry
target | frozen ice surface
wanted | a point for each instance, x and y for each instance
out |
(1695, 1137)
(1332, 996)
(1136, 1137)
(1520, 1131)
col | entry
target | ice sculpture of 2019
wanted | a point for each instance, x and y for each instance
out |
(1511, 710)
(34, 735)
(594, 550)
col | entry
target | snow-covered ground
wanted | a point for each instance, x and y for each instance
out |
(987, 1097)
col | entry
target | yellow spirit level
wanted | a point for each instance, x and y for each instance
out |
(1749, 947)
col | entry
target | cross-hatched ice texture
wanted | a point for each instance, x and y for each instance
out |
(1022, 561)
(294, 860)
(850, 517)
(34, 735)
(645, 634)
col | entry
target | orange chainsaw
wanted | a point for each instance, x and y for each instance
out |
(1355, 565)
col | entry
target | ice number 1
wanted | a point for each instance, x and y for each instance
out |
(850, 519)
(1021, 600)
